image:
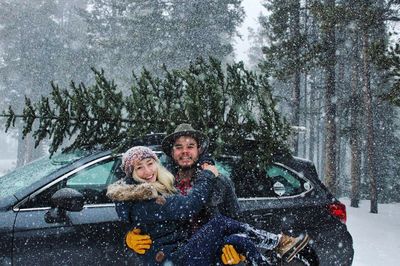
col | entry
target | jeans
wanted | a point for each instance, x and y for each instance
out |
(205, 246)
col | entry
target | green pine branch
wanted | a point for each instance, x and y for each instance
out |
(229, 104)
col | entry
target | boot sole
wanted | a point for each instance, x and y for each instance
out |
(299, 247)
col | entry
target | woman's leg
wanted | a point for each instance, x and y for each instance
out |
(262, 239)
(284, 246)
(204, 247)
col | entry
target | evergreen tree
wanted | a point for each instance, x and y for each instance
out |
(332, 35)
(39, 43)
(302, 39)
(227, 104)
(369, 18)
(202, 29)
(126, 35)
(285, 53)
(131, 34)
(326, 12)
(388, 140)
(393, 61)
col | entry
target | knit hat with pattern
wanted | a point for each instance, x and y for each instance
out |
(135, 155)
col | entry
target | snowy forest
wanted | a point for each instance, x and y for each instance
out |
(330, 69)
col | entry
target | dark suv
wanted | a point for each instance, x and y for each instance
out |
(54, 211)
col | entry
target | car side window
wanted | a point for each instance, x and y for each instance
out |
(223, 168)
(91, 181)
(284, 182)
(273, 182)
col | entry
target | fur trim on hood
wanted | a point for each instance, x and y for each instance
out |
(121, 191)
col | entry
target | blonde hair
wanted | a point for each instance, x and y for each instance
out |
(164, 183)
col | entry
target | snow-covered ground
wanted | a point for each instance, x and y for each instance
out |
(376, 236)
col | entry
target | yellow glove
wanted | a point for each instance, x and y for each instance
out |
(230, 256)
(137, 242)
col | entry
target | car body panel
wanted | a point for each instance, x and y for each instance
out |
(7, 219)
(81, 239)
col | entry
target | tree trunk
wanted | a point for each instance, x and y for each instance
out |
(295, 29)
(337, 169)
(322, 133)
(313, 116)
(26, 151)
(355, 168)
(320, 136)
(305, 117)
(21, 150)
(341, 122)
(307, 103)
(370, 125)
(330, 104)
(295, 114)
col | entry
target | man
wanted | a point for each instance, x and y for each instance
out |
(187, 152)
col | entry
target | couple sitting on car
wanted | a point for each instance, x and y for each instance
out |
(184, 219)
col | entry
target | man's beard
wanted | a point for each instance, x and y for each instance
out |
(187, 167)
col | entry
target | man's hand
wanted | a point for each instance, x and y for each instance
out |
(205, 158)
(210, 167)
(230, 256)
(137, 242)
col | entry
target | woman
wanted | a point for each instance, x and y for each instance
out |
(148, 200)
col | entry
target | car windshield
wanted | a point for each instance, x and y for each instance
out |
(28, 174)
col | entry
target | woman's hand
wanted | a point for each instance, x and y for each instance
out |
(210, 167)
(230, 256)
(137, 242)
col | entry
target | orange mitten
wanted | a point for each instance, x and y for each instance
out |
(230, 256)
(137, 242)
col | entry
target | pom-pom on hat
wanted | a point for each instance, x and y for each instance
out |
(135, 155)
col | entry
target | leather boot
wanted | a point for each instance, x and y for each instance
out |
(289, 246)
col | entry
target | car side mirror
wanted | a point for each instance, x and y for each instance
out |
(65, 199)
(68, 199)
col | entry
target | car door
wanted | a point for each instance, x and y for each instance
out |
(268, 198)
(92, 235)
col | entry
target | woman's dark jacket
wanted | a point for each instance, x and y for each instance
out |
(168, 223)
